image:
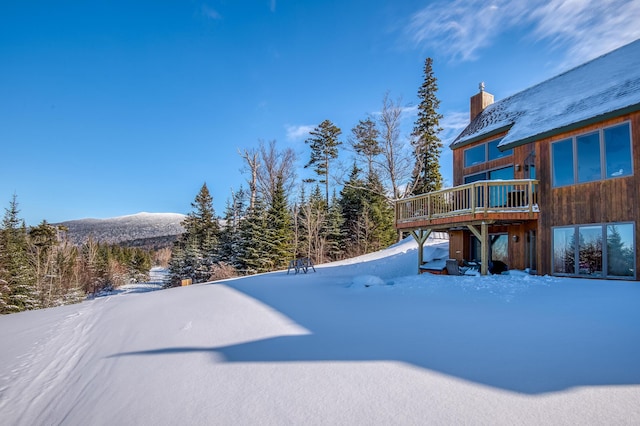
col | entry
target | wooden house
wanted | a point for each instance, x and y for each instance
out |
(546, 180)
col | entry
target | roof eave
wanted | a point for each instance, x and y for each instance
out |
(570, 127)
(456, 145)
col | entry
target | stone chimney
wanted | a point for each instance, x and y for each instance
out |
(479, 102)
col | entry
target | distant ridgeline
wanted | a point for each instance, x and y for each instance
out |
(143, 230)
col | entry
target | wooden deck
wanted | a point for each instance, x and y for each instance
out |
(497, 201)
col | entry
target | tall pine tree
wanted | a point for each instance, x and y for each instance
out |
(324, 145)
(426, 144)
(196, 250)
(279, 229)
(365, 142)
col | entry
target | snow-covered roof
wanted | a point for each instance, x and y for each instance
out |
(602, 88)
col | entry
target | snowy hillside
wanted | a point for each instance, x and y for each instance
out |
(140, 226)
(364, 341)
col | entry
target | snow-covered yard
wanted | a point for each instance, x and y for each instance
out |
(363, 341)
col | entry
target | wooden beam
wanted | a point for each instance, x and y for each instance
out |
(475, 231)
(484, 246)
(420, 235)
(483, 237)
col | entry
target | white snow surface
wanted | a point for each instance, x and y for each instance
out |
(602, 86)
(364, 341)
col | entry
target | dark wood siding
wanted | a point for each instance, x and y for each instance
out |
(611, 200)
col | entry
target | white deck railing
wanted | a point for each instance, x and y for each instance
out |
(486, 196)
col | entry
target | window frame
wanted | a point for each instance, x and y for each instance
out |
(487, 151)
(486, 173)
(604, 253)
(602, 155)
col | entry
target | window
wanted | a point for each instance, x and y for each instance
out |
(594, 250)
(593, 156)
(588, 147)
(564, 250)
(562, 161)
(485, 152)
(498, 196)
(617, 149)
(590, 250)
(475, 155)
(475, 178)
(493, 151)
(620, 252)
(498, 248)
(505, 173)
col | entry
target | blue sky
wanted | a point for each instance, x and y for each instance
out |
(110, 108)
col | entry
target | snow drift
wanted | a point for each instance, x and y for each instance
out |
(362, 341)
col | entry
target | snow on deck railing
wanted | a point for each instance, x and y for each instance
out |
(486, 196)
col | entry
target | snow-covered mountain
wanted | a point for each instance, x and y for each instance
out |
(364, 341)
(141, 229)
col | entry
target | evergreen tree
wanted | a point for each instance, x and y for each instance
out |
(352, 203)
(426, 144)
(382, 214)
(365, 142)
(20, 288)
(332, 231)
(368, 215)
(324, 145)
(279, 230)
(230, 234)
(196, 250)
(202, 223)
(253, 255)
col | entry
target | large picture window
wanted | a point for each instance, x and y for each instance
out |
(485, 152)
(564, 250)
(593, 156)
(595, 250)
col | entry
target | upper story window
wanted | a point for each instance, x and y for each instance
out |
(598, 155)
(484, 152)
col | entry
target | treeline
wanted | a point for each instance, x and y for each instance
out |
(280, 218)
(40, 268)
(266, 236)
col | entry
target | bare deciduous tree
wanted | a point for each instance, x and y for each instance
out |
(397, 157)
(274, 165)
(313, 219)
(253, 164)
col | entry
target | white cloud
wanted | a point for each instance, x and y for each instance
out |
(462, 27)
(295, 133)
(586, 28)
(210, 13)
(452, 124)
(409, 111)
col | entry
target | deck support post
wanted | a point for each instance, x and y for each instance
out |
(420, 235)
(483, 236)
